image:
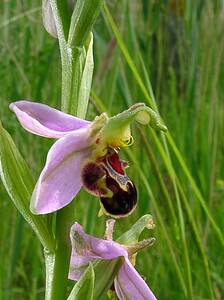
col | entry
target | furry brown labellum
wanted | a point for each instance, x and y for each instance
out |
(107, 179)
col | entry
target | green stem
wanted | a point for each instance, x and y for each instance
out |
(57, 263)
(73, 35)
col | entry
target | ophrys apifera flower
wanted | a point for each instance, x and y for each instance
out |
(128, 284)
(85, 154)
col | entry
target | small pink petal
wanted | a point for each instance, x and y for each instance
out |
(45, 121)
(78, 265)
(60, 180)
(130, 285)
(86, 248)
(87, 245)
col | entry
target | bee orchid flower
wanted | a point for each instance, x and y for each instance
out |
(128, 283)
(85, 154)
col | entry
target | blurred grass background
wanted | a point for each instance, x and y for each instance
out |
(170, 55)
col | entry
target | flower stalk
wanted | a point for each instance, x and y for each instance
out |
(57, 263)
(77, 69)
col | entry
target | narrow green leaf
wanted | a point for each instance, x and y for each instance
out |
(86, 79)
(105, 272)
(97, 279)
(84, 287)
(81, 80)
(162, 223)
(83, 19)
(19, 184)
(196, 189)
(76, 56)
(128, 57)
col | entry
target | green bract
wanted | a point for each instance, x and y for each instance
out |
(19, 184)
